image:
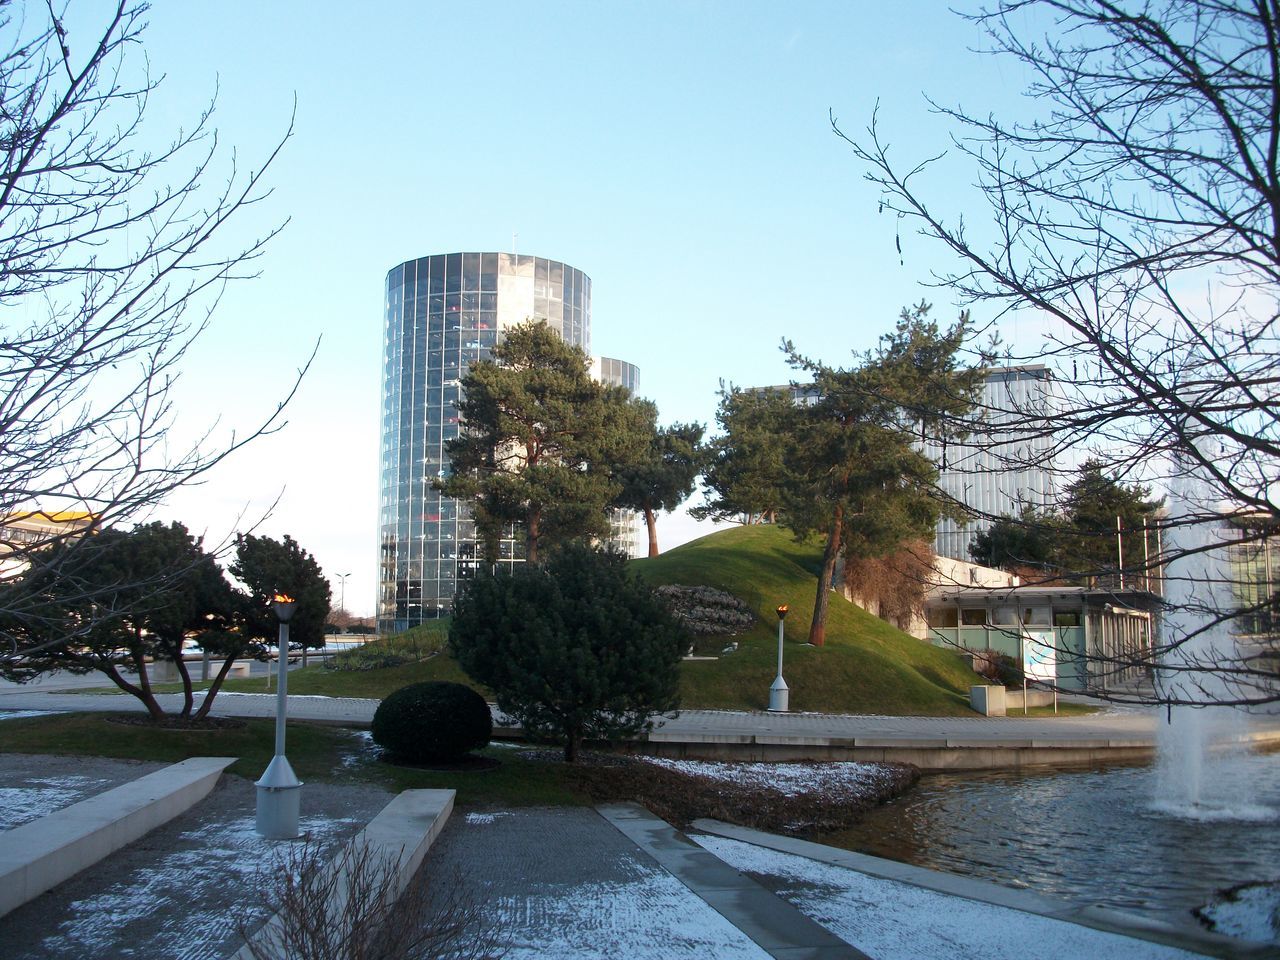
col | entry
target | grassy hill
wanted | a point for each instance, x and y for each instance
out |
(866, 665)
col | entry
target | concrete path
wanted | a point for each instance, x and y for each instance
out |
(1116, 724)
(776, 926)
(934, 743)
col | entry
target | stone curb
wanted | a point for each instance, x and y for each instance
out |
(1086, 915)
(399, 835)
(39, 855)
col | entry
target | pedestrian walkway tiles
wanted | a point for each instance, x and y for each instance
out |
(565, 884)
(897, 921)
(180, 892)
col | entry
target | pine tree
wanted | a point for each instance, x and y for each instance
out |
(857, 475)
(575, 649)
(267, 567)
(664, 475)
(540, 442)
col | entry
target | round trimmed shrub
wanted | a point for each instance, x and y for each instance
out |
(431, 722)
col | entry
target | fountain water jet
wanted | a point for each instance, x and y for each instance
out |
(1199, 748)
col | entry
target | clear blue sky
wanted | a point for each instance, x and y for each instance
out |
(679, 153)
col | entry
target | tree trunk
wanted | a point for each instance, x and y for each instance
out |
(144, 685)
(187, 697)
(651, 522)
(531, 535)
(214, 688)
(818, 627)
(142, 694)
(572, 744)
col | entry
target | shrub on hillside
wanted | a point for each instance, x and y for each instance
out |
(706, 611)
(432, 722)
(997, 668)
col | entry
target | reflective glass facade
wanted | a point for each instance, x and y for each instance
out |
(442, 314)
(1002, 467)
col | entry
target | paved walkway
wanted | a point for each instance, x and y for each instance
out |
(933, 743)
(1119, 724)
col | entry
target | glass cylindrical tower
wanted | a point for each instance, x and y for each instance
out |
(443, 313)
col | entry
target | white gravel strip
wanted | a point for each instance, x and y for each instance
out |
(790, 779)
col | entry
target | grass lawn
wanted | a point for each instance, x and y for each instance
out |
(316, 752)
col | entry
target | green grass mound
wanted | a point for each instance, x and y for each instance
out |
(866, 665)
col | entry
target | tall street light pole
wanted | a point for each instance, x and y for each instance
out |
(279, 790)
(342, 591)
(779, 695)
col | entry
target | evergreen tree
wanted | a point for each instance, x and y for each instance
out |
(664, 474)
(857, 474)
(1080, 541)
(746, 470)
(1033, 540)
(541, 441)
(121, 601)
(268, 567)
(1098, 506)
(575, 649)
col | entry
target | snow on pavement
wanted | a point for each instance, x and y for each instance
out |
(897, 921)
(40, 796)
(229, 854)
(563, 883)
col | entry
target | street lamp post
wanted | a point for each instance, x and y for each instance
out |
(279, 790)
(342, 591)
(779, 695)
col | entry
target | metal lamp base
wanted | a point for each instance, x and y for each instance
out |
(779, 696)
(279, 801)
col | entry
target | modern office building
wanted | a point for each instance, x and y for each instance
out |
(1005, 464)
(442, 314)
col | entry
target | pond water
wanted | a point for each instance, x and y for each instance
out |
(1093, 836)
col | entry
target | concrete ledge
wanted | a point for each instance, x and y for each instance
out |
(399, 835)
(771, 922)
(931, 756)
(1086, 915)
(38, 856)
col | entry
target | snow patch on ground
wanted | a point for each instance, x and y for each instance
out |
(484, 817)
(651, 917)
(897, 921)
(363, 749)
(164, 898)
(20, 714)
(1250, 913)
(40, 796)
(789, 779)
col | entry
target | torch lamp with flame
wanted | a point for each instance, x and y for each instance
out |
(279, 790)
(779, 695)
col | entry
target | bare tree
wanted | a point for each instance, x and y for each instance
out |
(112, 259)
(358, 907)
(1136, 212)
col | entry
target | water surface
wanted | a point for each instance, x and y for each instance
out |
(1094, 836)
